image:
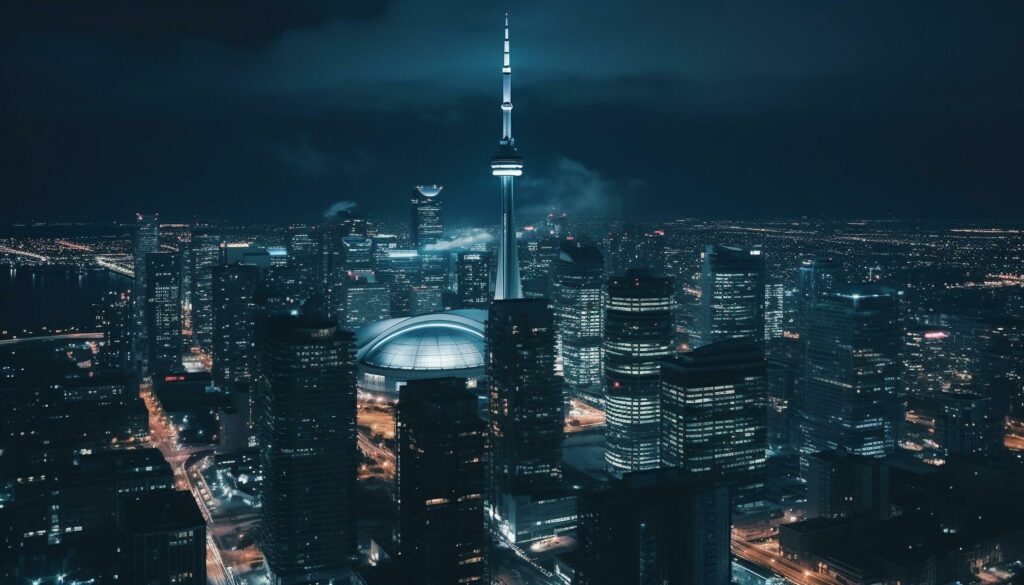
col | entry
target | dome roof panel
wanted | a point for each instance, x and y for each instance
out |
(429, 346)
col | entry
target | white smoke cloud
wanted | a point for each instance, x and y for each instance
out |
(572, 188)
(463, 241)
(339, 207)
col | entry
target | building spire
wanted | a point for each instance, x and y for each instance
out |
(506, 164)
(506, 92)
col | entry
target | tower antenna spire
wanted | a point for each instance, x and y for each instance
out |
(506, 164)
(506, 91)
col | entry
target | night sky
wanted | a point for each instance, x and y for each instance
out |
(270, 110)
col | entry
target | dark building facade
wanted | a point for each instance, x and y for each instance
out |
(147, 240)
(234, 324)
(964, 425)
(163, 311)
(658, 526)
(841, 485)
(306, 431)
(441, 474)
(114, 318)
(204, 256)
(526, 410)
(638, 335)
(304, 256)
(165, 540)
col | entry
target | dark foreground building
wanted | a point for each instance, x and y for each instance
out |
(659, 526)
(307, 437)
(441, 483)
(526, 422)
(165, 539)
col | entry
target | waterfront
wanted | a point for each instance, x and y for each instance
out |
(42, 299)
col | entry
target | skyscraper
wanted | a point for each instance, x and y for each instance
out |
(364, 303)
(506, 164)
(851, 383)
(474, 276)
(713, 415)
(537, 255)
(304, 256)
(146, 241)
(658, 526)
(401, 272)
(526, 413)
(163, 311)
(815, 277)
(774, 312)
(638, 335)
(441, 483)
(732, 291)
(333, 270)
(114, 317)
(579, 315)
(427, 224)
(784, 377)
(203, 257)
(307, 435)
(234, 324)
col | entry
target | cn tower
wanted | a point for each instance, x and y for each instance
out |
(506, 164)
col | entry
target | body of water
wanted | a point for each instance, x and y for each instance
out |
(56, 297)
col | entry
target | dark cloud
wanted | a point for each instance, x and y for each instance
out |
(263, 110)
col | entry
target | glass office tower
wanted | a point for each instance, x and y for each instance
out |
(713, 415)
(852, 398)
(578, 301)
(638, 335)
(732, 301)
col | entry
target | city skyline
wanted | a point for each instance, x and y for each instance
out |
(601, 389)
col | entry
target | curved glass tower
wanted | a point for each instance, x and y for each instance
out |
(506, 164)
